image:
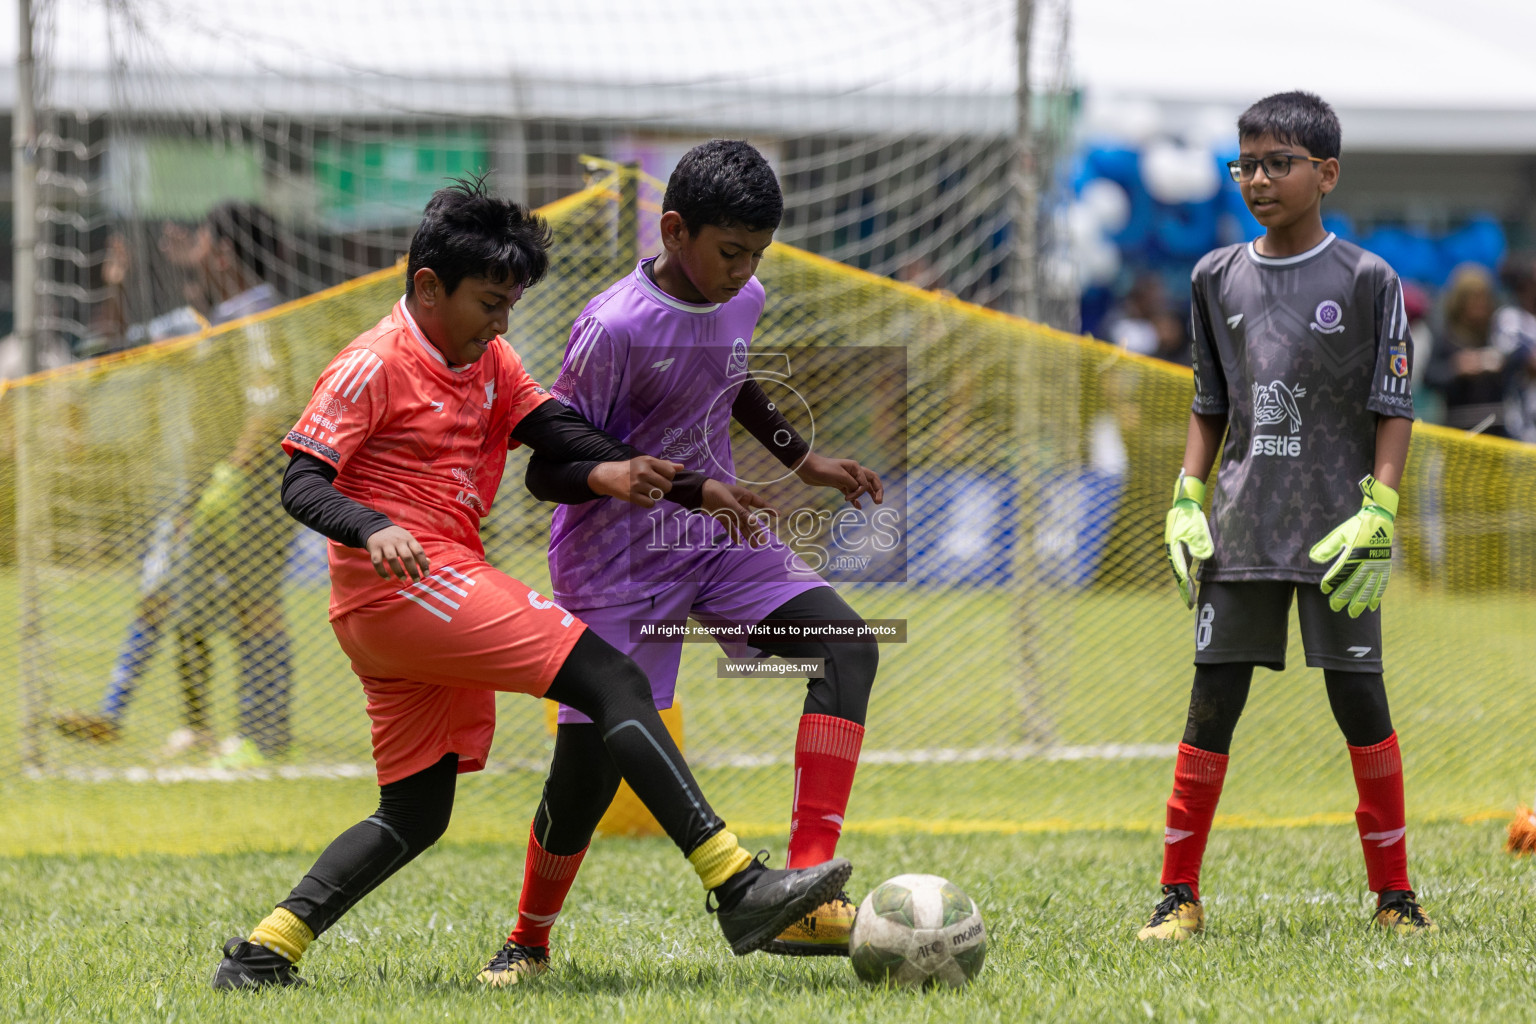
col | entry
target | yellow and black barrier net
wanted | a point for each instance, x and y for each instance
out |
(171, 682)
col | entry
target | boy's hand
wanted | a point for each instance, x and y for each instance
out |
(641, 481)
(395, 551)
(730, 505)
(1361, 549)
(1186, 535)
(846, 475)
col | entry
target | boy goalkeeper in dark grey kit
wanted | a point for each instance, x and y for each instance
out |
(1302, 357)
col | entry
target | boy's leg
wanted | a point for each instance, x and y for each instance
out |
(133, 659)
(1216, 702)
(413, 813)
(1237, 626)
(266, 668)
(754, 903)
(582, 782)
(831, 724)
(581, 785)
(1359, 702)
(1349, 653)
(761, 587)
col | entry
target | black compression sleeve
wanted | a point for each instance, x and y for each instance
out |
(565, 449)
(311, 497)
(764, 421)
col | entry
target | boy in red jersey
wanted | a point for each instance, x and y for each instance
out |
(1302, 356)
(397, 459)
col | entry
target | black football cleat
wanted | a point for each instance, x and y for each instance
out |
(774, 899)
(248, 965)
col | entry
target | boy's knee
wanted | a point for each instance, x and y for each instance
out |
(629, 680)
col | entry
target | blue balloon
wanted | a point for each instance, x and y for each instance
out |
(1411, 253)
(1232, 205)
(1116, 163)
(1339, 224)
(1188, 230)
(1481, 240)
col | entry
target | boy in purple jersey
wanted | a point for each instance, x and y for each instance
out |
(659, 360)
(1302, 357)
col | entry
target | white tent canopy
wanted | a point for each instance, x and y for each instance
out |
(1404, 74)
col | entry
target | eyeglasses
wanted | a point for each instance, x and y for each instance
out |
(1276, 165)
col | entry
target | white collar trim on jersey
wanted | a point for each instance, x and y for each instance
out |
(1285, 261)
(660, 296)
(410, 323)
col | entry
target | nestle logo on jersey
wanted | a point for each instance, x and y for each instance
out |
(1275, 444)
(1275, 404)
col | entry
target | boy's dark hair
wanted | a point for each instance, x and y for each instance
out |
(468, 232)
(1299, 118)
(251, 232)
(725, 183)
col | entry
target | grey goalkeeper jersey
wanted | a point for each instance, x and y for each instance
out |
(1302, 355)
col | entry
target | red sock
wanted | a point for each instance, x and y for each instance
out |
(1197, 778)
(546, 880)
(1383, 830)
(826, 756)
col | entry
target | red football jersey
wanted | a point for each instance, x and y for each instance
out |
(420, 441)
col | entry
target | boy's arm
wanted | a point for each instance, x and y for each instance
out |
(1359, 550)
(1202, 442)
(1393, 433)
(1186, 534)
(753, 410)
(309, 495)
(764, 421)
(573, 462)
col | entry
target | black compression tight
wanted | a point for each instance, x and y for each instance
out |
(582, 780)
(609, 688)
(413, 813)
(1216, 701)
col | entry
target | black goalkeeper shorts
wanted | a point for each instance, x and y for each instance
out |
(1248, 621)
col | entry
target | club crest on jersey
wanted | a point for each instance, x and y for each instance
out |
(1328, 318)
(1397, 355)
(1274, 404)
(736, 365)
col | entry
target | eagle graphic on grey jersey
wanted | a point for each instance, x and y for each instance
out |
(1302, 355)
(1276, 403)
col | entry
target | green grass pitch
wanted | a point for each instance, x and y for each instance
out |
(135, 938)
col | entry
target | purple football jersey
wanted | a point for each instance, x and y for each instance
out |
(662, 375)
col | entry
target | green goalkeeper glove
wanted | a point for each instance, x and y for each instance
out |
(1361, 549)
(1186, 534)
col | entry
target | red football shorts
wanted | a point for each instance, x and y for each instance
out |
(432, 657)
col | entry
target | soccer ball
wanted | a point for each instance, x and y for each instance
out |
(918, 931)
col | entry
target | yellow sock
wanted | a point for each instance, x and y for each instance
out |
(283, 934)
(718, 858)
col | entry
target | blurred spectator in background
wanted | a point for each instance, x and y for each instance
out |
(1465, 368)
(1146, 323)
(1418, 305)
(1514, 334)
(231, 261)
(198, 577)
